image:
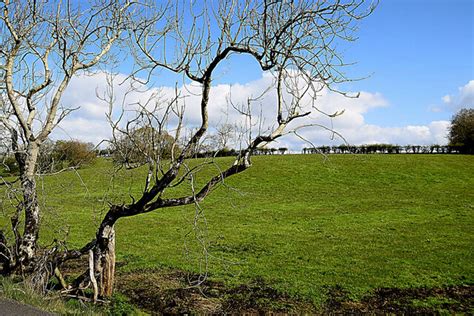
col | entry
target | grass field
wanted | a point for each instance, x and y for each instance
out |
(304, 224)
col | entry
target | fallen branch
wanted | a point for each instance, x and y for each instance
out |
(58, 275)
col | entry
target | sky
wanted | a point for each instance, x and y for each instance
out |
(417, 58)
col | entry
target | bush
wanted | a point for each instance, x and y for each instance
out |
(64, 153)
(73, 153)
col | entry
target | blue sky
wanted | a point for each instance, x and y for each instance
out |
(414, 52)
(417, 54)
(418, 51)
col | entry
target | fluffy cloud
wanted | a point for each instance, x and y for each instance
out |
(89, 122)
(463, 99)
(84, 129)
(88, 95)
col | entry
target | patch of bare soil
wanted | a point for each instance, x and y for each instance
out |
(454, 299)
(451, 299)
(169, 293)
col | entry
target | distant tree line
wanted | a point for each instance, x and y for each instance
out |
(341, 149)
(345, 149)
(386, 149)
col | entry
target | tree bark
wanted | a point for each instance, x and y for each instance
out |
(104, 260)
(29, 240)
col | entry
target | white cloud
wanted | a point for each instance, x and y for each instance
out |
(439, 130)
(89, 123)
(463, 99)
(83, 129)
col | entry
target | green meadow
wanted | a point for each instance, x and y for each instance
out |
(303, 224)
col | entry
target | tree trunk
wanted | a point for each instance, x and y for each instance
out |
(104, 260)
(29, 240)
(30, 235)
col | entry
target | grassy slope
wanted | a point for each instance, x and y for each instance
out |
(302, 223)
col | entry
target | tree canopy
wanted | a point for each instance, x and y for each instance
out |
(461, 133)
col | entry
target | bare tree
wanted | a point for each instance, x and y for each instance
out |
(223, 136)
(142, 144)
(43, 45)
(294, 41)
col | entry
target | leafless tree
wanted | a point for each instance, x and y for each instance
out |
(43, 45)
(294, 41)
(223, 136)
